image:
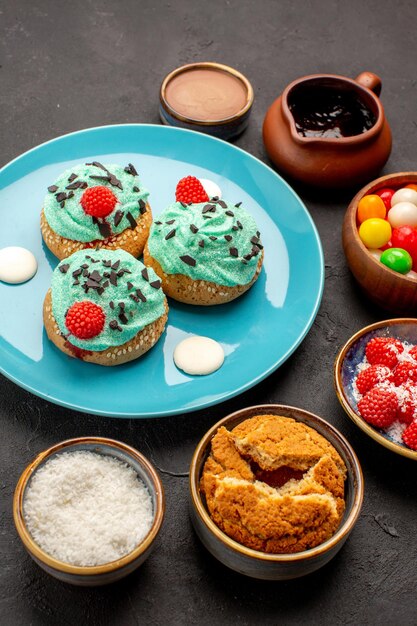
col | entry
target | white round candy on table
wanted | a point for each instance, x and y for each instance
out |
(211, 188)
(404, 195)
(17, 265)
(403, 214)
(198, 355)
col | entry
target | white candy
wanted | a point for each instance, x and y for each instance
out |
(376, 253)
(198, 355)
(404, 195)
(17, 265)
(211, 188)
(403, 214)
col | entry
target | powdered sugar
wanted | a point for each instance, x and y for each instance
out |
(87, 509)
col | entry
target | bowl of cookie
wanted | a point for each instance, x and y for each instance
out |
(275, 491)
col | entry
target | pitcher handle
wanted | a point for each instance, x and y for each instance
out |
(371, 81)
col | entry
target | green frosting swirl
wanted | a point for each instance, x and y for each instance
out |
(101, 269)
(221, 238)
(67, 217)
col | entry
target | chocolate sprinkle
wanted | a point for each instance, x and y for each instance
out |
(123, 318)
(184, 204)
(201, 243)
(76, 282)
(186, 258)
(170, 222)
(244, 262)
(64, 268)
(239, 225)
(213, 238)
(222, 203)
(77, 273)
(254, 240)
(115, 265)
(61, 197)
(122, 305)
(155, 284)
(72, 177)
(207, 217)
(106, 274)
(228, 237)
(170, 234)
(145, 274)
(238, 204)
(215, 198)
(230, 213)
(142, 207)
(113, 279)
(104, 228)
(118, 218)
(247, 257)
(233, 252)
(52, 188)
(258, 234)
(131, 220)
(255, 250)
(84, 266)
(105, 284)
(96, 276)
(208, 208)
(158, 223)
(107, 263)
(79, 184)
(135, 189)
(85, 273)
(130, 169)
(140, 295)
(193, 228)
(129, 285)
(114, 325)
(235, 228)
(135, 298)
(111, 178)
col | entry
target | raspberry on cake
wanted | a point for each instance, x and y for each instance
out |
(104, 307)
(206, 252)
(95, 205)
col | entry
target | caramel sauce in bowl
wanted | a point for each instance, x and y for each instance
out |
(208, 97)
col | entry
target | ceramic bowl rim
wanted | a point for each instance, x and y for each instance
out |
(341, 533)
(345, 141)
(106, 568)
(340, 391)
(351, 212)
(203, 65)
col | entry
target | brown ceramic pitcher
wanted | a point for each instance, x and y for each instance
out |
(323, 161)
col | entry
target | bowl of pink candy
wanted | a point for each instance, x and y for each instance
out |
(380, 241)
(375, 377)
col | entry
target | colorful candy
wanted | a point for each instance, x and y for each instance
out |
(375, 232)
(385, 194)
(403, 214)
(392, 240)
(397, 259)
(406, 194)
(371, 206)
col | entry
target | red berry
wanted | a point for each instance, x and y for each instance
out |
(189, 189)
(383, 351)
(405, 237)
(413, 352)
(410, 436)
(85, 319)
(98, 201)
(407, 404)
(378, 407)
(404, 372)
(370, 377)
(385, 194)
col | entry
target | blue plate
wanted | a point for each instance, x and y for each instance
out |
(258, 331)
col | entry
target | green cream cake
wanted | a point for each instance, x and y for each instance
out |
(115, 215)
(104, 306)
(205, 253)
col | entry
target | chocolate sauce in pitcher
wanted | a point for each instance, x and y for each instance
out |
(329, 112)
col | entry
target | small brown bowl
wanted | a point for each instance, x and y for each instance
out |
(260, 564)
(388, 289)
(108, 572)
(350, 355)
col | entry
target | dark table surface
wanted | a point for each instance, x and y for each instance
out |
(72, 65)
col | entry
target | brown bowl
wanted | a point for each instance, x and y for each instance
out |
(388, 289)
(260, 564)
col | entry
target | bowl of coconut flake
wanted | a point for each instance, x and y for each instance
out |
(89, 510)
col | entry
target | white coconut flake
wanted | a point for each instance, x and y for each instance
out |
(87, 509)
(395, 431)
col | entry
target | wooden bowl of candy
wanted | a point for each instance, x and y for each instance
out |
(380, 241)
(375, 377)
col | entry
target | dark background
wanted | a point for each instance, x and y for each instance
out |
(72, 65)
